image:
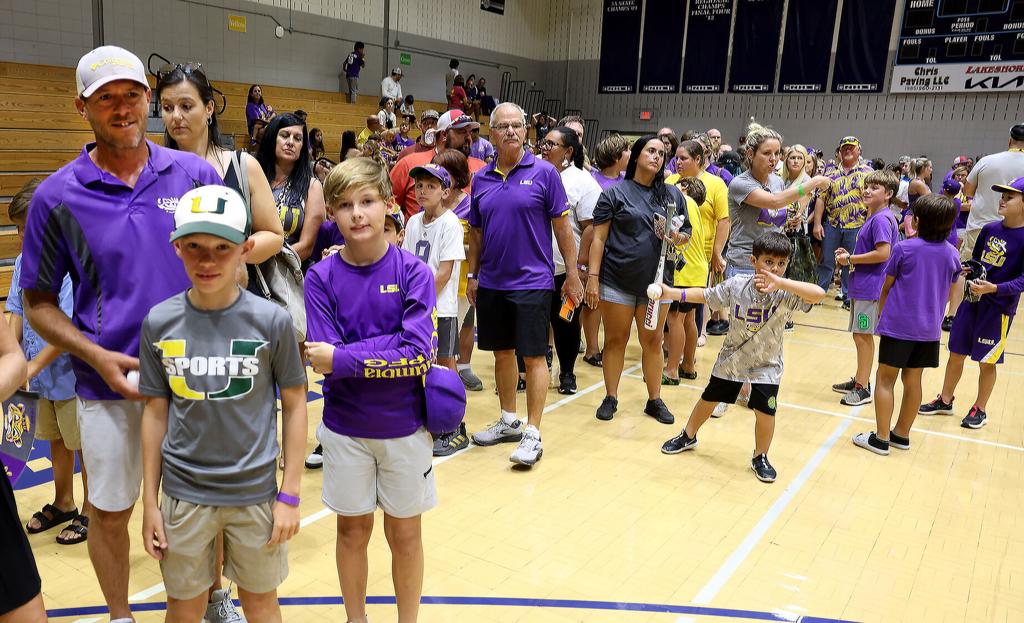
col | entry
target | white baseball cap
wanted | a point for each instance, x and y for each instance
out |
(216, 210)
(107, 64)
(456, 119)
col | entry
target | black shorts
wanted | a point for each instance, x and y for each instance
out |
(764, 397)
(19, 578)
(897, 353)
(514, 319)
(683, 308)
(447, 337)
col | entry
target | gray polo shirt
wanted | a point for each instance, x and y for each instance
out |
(219, 369)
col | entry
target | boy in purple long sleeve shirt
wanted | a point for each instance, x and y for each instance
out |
(371, 326)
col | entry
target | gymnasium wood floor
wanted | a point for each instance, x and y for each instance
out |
(607, 529)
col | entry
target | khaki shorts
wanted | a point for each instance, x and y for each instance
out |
(863, 316)
(58, 419)
(189, 566)
(395, 474)
(111, 433)
(969, 240)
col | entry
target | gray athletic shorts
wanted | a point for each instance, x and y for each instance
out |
(361, 474)
(863, 316)
(447, 337)
(614, 295)
(111, 433)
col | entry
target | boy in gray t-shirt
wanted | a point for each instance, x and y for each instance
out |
(759, 306)
(210, 360)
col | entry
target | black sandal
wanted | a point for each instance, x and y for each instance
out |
(81, 530)
(595, 361)
(687, 375)
(56, 517)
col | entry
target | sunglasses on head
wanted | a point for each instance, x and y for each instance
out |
(186, 68)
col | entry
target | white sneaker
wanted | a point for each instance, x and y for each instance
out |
(499, 432)
(221, 609)
(743, 401)
(530, 449)
(719, 410)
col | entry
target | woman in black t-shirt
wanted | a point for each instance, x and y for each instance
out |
(628, 221)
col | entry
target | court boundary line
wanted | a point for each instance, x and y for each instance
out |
(324, 512)
(573, 604)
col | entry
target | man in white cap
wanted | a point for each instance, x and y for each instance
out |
(389, 86)
(89, 219)
(453, 132)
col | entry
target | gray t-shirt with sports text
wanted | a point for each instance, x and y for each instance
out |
(752, 351)
(747, 222)
(219, 370)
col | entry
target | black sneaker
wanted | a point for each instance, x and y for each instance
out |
(790, 326)
(947, 323)
(567, 383)
(762, 468)
(976, 418)
(680, 443)
(871, 443)
(937, 407)
(656, 408)
(846, 304)
(608, 407)
(521, 386)
(840, 297)
(859, 395)
(845, 387)
(718, 327)
(448, 444)
(902, 443)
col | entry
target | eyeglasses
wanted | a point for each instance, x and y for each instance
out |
(548, 144)
(186, 68)
(503, 128)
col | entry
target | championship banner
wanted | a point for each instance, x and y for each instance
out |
(662, 57)
(960, 47)
(18, 432)
(707, 45)
(620, 46)
(755, 46)
(810, 25)
(863, 47)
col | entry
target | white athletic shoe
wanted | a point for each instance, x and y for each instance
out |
(530, 449)
(719, 410)
(221, 609)
(499, 432)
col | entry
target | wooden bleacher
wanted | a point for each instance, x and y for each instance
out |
(40, 130)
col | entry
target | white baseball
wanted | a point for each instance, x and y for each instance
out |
(133, 379)
(653, 291)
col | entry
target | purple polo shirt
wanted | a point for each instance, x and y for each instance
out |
(114, 242)
(714, 169)
(924, 272)
(867, 279)
(515, 212)
(606, 182)
(380, 318)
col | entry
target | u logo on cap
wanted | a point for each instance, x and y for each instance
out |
(198, 209)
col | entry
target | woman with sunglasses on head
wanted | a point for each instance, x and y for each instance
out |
(562, 148)
(629, 224)
(298, 196)
(257, 113)
(190, 118)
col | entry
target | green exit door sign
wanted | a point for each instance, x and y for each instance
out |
(405, 59)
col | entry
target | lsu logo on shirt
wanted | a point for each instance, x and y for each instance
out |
(391, 288)
(754, 317)
(526, 182)
(995, 252)
(167, 204)
(240, 366)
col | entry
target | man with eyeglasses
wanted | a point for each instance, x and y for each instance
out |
(88, 219)
(453, 132)
(517, 200)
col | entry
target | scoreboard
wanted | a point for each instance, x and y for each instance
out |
(960, 46)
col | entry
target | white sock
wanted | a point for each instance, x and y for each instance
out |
(462, 366)
(508, 417)
(532, 430)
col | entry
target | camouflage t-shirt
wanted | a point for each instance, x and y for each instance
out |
(752, 351)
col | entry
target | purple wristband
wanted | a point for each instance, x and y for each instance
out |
(682, 295)
(290, 500)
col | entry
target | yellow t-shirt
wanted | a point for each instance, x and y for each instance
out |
(714, 208)
(695, 272)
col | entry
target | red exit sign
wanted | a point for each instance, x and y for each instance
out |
(645, 115)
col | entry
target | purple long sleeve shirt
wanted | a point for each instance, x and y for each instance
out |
(382, 320)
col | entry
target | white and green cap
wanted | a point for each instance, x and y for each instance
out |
(216, 210)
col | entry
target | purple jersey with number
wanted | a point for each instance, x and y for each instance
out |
(923, 272)
(113, 240)
(374, 391)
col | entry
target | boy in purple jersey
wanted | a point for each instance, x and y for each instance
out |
(919, 276)
(105, 219)
(370, 310)
(980, 327)
(867, 264)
